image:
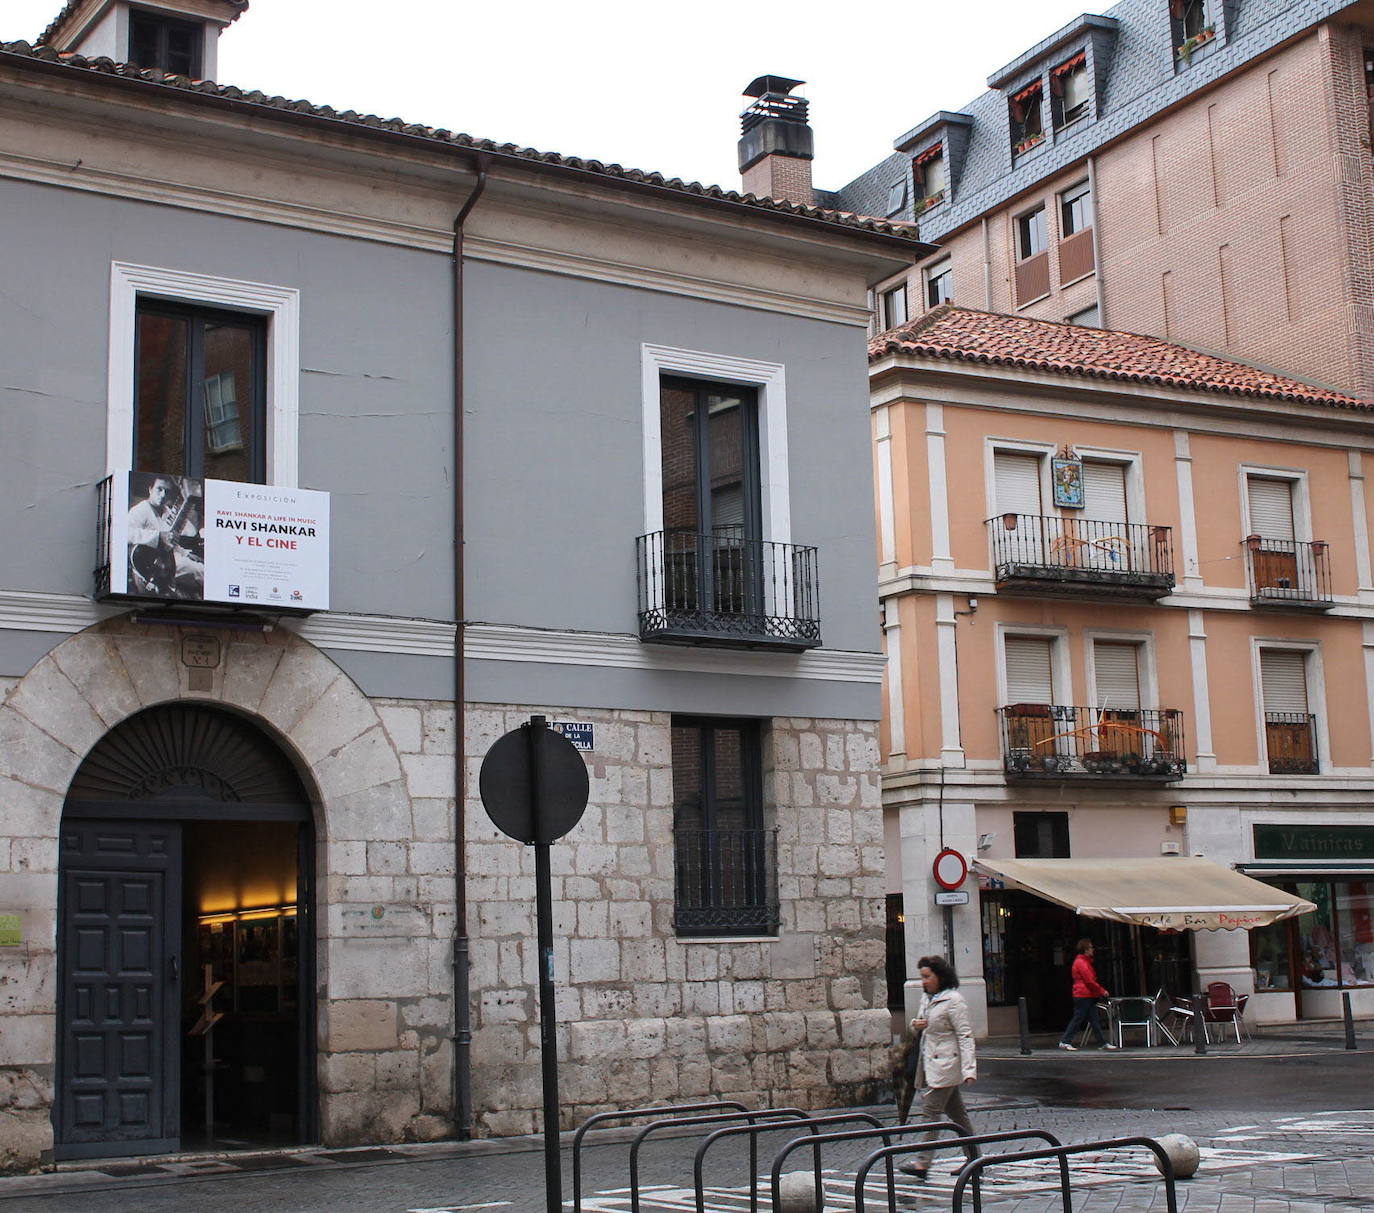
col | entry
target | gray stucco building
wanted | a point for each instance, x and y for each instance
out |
(595, 446)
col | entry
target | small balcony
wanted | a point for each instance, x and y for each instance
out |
(1289, 573)
(1050, 554)
(1290, 740)
(726, 882)
(1055, 741)
(725, 589)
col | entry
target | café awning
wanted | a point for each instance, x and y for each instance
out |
(1172, 892)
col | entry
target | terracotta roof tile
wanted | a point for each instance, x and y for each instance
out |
(962, 334)
(846, 220)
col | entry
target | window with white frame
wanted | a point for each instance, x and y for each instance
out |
(892, 309)
(1070, 92)
(1290, 734)
(204, 376)
(1280, 564)
(939, 283)
(1030, 669)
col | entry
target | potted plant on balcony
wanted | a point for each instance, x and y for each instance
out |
(1189, 45)
(1029, 142)
(930, 200)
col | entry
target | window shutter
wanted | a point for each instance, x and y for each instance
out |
(1018, 483)
(1117, 673)
(1283, 680)
(1030, 670)
(1271, 507)
(1104, 491)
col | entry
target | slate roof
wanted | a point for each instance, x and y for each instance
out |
(965, 335)
(1140, 80)
(103, 67)
(54, 30)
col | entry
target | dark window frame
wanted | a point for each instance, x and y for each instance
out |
(938, 276)
(1027, 118)
(1026, 232)
(1059, 114)
(1075, 202)
(711, 917)
(193, 440)
(887, 312)
(144, 24)
(1051, 828)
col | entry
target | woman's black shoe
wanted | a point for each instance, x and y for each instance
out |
(910, 1168)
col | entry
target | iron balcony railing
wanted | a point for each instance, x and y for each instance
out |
(1050, 740)
(727, 589)
(1286, 572)
(1068, 553)
(726, 882)
(1290, 739)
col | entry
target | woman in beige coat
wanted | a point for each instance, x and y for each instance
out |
(946, 1057)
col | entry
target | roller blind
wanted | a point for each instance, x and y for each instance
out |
(1030, 669)
(1018, 483)
(1117, 673)
(1283, 679)
(1104, 491)
(1271, 507)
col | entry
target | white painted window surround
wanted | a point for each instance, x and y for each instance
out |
(281, 306)
(770, 381)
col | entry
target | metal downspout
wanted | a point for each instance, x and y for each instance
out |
(462, 1003)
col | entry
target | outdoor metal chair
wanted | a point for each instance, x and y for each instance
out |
(1224, 1007)
(1162, 1009)
(1184, 1021)
(1104, 1017)
(1135, 1013)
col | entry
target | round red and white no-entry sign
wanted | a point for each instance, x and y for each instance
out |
(950, 869)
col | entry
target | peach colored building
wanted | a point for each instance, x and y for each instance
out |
(1176, 660)
(1217, 196)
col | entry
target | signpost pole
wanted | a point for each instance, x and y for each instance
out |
(543, 887)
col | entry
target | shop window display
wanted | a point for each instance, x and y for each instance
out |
(1331, 948)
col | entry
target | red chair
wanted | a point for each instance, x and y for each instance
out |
(1224, 1007)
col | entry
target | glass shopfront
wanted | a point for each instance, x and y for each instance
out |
(1332, 948)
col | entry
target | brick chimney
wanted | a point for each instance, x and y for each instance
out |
(775, 149)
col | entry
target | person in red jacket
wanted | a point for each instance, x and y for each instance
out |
(1086, 991)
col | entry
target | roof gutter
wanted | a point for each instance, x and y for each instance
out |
(462, 994)
(892, 241)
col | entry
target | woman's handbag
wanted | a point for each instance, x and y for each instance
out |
(904, 1076)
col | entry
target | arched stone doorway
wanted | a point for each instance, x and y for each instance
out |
(185, 940)
(374, 993)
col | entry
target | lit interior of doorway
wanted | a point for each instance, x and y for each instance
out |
(240, 983)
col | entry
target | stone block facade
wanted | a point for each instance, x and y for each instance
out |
(645, 1016)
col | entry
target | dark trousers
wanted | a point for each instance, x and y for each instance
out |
(1084, 1012)
(944, 1103)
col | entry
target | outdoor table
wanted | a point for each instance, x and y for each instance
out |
(1152, 1023)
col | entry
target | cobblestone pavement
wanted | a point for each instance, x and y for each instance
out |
(1284, 1127)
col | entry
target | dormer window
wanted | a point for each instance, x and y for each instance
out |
(1070, 96)
(1192, 25)
(932, 177)
(896, 197)
(165, 44)
(1027, 120)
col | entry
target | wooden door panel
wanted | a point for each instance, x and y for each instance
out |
(119, 1064)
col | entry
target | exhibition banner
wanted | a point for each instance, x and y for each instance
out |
(217, 541)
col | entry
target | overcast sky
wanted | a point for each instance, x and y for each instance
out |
(648, 85)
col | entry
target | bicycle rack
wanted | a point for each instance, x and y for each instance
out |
(631, 1114)
(753, 1131)
(972, 1169)
(887, 1152)
(785, 1116)
(775, 1176)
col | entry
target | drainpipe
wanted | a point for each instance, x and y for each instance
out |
(1097, 250)
(462, 1007)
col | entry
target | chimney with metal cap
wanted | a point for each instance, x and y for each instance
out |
(775, 148)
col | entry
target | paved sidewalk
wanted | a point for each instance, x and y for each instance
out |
(1284, 1125)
